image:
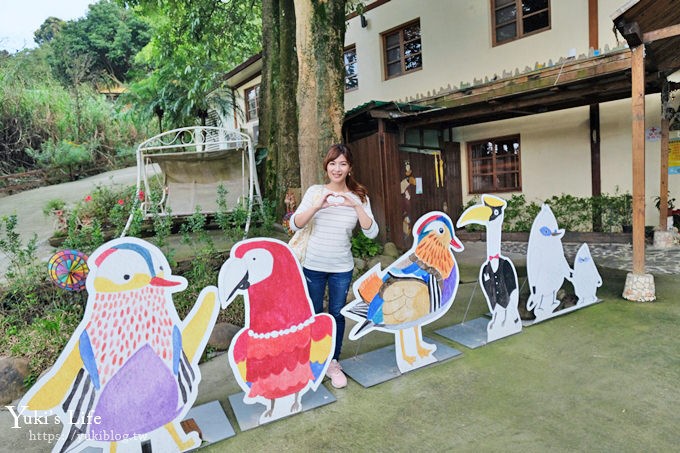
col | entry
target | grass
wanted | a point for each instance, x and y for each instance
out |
(598, 379)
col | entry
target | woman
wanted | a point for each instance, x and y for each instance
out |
(335, 208)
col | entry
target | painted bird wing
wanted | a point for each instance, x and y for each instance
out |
(83, 393)
(320, 353)
(240, 356)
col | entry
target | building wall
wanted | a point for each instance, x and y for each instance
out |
(457, 44)
(457, 47)
(555, 152)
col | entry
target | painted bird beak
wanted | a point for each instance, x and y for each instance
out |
(232, 278)
(159, 281)
(479, 214)
(455, 245)
(557, 233)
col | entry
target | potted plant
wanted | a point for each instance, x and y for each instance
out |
(670, 208)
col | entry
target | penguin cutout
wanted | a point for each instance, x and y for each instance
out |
(547, 268)
(586, 277)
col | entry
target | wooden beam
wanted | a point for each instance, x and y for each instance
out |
(638, 136)
(663, 177)
(483, 111)
(593, 30)
(595, 174)
(543, 79)
(632, 34)
(662, 33)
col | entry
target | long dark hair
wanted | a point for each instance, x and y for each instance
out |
(353, 185)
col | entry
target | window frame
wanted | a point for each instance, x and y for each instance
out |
(356, 72)
(519, 20)
(402, 59)
(495, 172)
(246, 94)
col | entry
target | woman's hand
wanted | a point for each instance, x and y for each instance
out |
(339, 199)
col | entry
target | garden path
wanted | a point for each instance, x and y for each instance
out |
(28, 206)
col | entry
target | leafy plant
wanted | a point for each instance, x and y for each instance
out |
(22, 269)
(364, 247)
(572, 213)
(63, 155)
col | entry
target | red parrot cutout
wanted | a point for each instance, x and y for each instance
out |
(284, 348)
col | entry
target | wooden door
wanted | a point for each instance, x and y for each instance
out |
(430, 181)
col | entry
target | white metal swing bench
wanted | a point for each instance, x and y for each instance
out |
(179, 173)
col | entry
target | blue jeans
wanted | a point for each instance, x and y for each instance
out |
(338, 286)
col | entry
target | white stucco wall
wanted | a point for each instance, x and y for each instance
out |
(457, 47)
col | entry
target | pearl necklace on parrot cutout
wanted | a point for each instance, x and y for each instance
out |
(282, 332)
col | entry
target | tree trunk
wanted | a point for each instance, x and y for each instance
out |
(278, 110)
(320, 34)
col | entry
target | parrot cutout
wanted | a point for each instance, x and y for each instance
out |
(284, 348)
(497, 276)
(547, 268)
(130, 371)
(418, 288)
(586, 277)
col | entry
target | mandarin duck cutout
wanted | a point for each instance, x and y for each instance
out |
(586, 277)
(284, 349)
(418, 288)
(547, 268)
(130, 370)
(497, 275)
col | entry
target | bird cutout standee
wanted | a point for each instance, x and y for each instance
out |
(586, 277)
(497, 275)
(129, 374)
(284, 349)
(418, 288)
(547, 267)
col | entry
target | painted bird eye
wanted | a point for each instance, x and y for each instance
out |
(545, 231)
(441, 230)
(126, 277)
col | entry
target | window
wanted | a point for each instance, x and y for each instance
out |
(494, 165)
(514, 19)
(351, 76)
(252, 102)
(416, 139)
(403, 50)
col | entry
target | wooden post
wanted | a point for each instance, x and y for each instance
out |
(663, 177)
(638, 133)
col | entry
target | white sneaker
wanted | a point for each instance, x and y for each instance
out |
(338, 378)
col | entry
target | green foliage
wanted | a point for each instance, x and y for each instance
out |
(55, 204)
(194, 43)
(616, 210)
(22, 269)
(36, 111)
(572, 213)
(364, 247)
(519, 214)
(108, 37)
(64, 156)
(36, 318)
(48, 30)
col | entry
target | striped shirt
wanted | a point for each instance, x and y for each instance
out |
(330, 248)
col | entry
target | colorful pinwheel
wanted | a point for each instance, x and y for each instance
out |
(68, 269)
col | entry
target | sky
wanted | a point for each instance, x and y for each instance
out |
(20, 18)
